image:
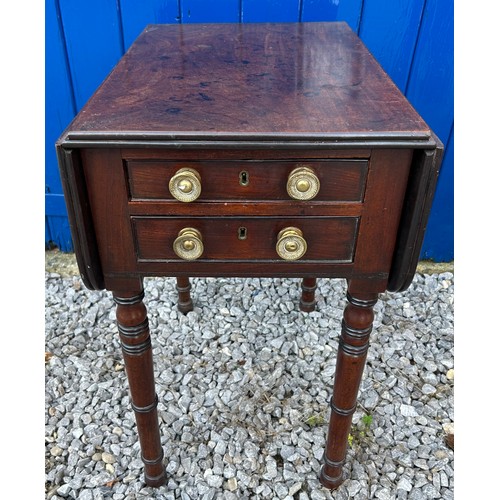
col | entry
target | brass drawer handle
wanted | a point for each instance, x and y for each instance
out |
(302, 184)
(189, 244)
(291, 245)
(185, 185)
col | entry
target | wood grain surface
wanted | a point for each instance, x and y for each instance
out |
(250, 80)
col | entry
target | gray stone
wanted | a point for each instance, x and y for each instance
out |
(416, 494)
(428, 389)
(86, 495)
(202, 488)
(420, 480)
(353, 487)
(317, 495)
(281, 490)
(404, 484)
(108, 458)
(295, 488)
(443, 479)
(421, 464)
(408, 411)
(56, 451)
(271, 470)
(289, 474)
(214, 481)
(370, 400)
(383, 494)
(287, 452)
(430, 491)
(64, 490)
(232, 484)
(413, 442)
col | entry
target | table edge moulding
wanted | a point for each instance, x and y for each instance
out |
(248, 150)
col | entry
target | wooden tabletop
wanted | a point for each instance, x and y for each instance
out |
(304, 81)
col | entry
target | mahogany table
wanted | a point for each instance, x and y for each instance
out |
(269, 150)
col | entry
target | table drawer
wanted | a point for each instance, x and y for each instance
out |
(339, 180)
(246, 238)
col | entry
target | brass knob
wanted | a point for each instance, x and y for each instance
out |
(291, 245)
(302, 184)
(189, 244)
(185, 185)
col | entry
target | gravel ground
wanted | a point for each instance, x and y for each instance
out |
(243, 384)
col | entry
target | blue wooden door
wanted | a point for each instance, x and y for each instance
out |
(413, 41)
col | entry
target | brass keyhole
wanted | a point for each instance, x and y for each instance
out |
(244, 178)
(242, 233)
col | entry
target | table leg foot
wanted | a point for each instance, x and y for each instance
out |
(329, 482)
(185, 303)
(353, 347)
(156, 481)
(307, 299)
(133, 328)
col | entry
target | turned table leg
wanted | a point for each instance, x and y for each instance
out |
(133, 327)
(185, 303)
(351, 357)
(307, 299)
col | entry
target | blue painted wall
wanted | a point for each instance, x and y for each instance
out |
(412, 40)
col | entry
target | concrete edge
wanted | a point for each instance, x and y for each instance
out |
(65, 265)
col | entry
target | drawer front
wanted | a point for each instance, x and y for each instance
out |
(340, 180)
(330, 239)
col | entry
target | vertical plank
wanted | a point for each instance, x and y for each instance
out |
(57, 223)
(333, 10)
(137, 15)
(389, 28)
(430, 90)
(59, 110)
(430, 86)
(270, 11)
(216, 11)
(48, 237)
(439, 236)
(59, 106)
(94, 43)
(59, 233)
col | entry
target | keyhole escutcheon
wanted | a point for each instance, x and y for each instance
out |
(244, 178)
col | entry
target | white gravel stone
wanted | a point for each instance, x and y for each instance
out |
(404, 484)
(281, 490)
(56, 451)
(408, 411)
(108, 458)
(383, 494)
(428, 389)
(214, 481)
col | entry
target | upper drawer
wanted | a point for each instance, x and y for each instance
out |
(339, 180)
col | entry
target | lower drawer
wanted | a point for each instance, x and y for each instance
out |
(330, 239)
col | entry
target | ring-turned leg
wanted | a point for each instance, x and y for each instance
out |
(351, 357)
(307, 299)
(185, 303)
(133, 327)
